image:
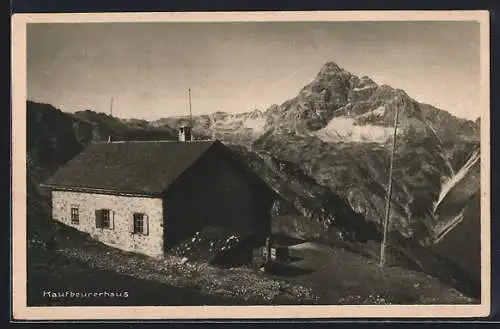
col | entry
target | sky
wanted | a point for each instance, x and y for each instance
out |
(147, 68)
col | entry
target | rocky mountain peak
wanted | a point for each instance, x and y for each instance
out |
(329, 68)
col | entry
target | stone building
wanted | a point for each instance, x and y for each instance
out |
(146, 197)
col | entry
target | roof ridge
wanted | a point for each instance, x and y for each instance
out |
(154, 141)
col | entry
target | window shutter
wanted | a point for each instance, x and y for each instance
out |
(132, 224)
(146, 224)
(112, 219)
(98, 219)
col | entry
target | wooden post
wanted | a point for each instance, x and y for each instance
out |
(389, 192)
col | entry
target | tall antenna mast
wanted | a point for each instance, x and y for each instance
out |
(389, 192)
(190, 111)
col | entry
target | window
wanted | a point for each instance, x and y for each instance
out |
(103, 218)
(140, 224)
(75, 215)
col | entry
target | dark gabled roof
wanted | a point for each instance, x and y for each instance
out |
(129, 167)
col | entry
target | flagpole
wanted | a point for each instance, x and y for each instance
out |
(111, 114)
(389, 193)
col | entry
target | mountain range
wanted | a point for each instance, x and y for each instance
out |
(338, 130)
(326, 151)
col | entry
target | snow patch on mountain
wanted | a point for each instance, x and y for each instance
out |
(461, 177)
(343, 129)
(455, 195)
(364, 88)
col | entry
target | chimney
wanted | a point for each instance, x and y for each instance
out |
(185, 134)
